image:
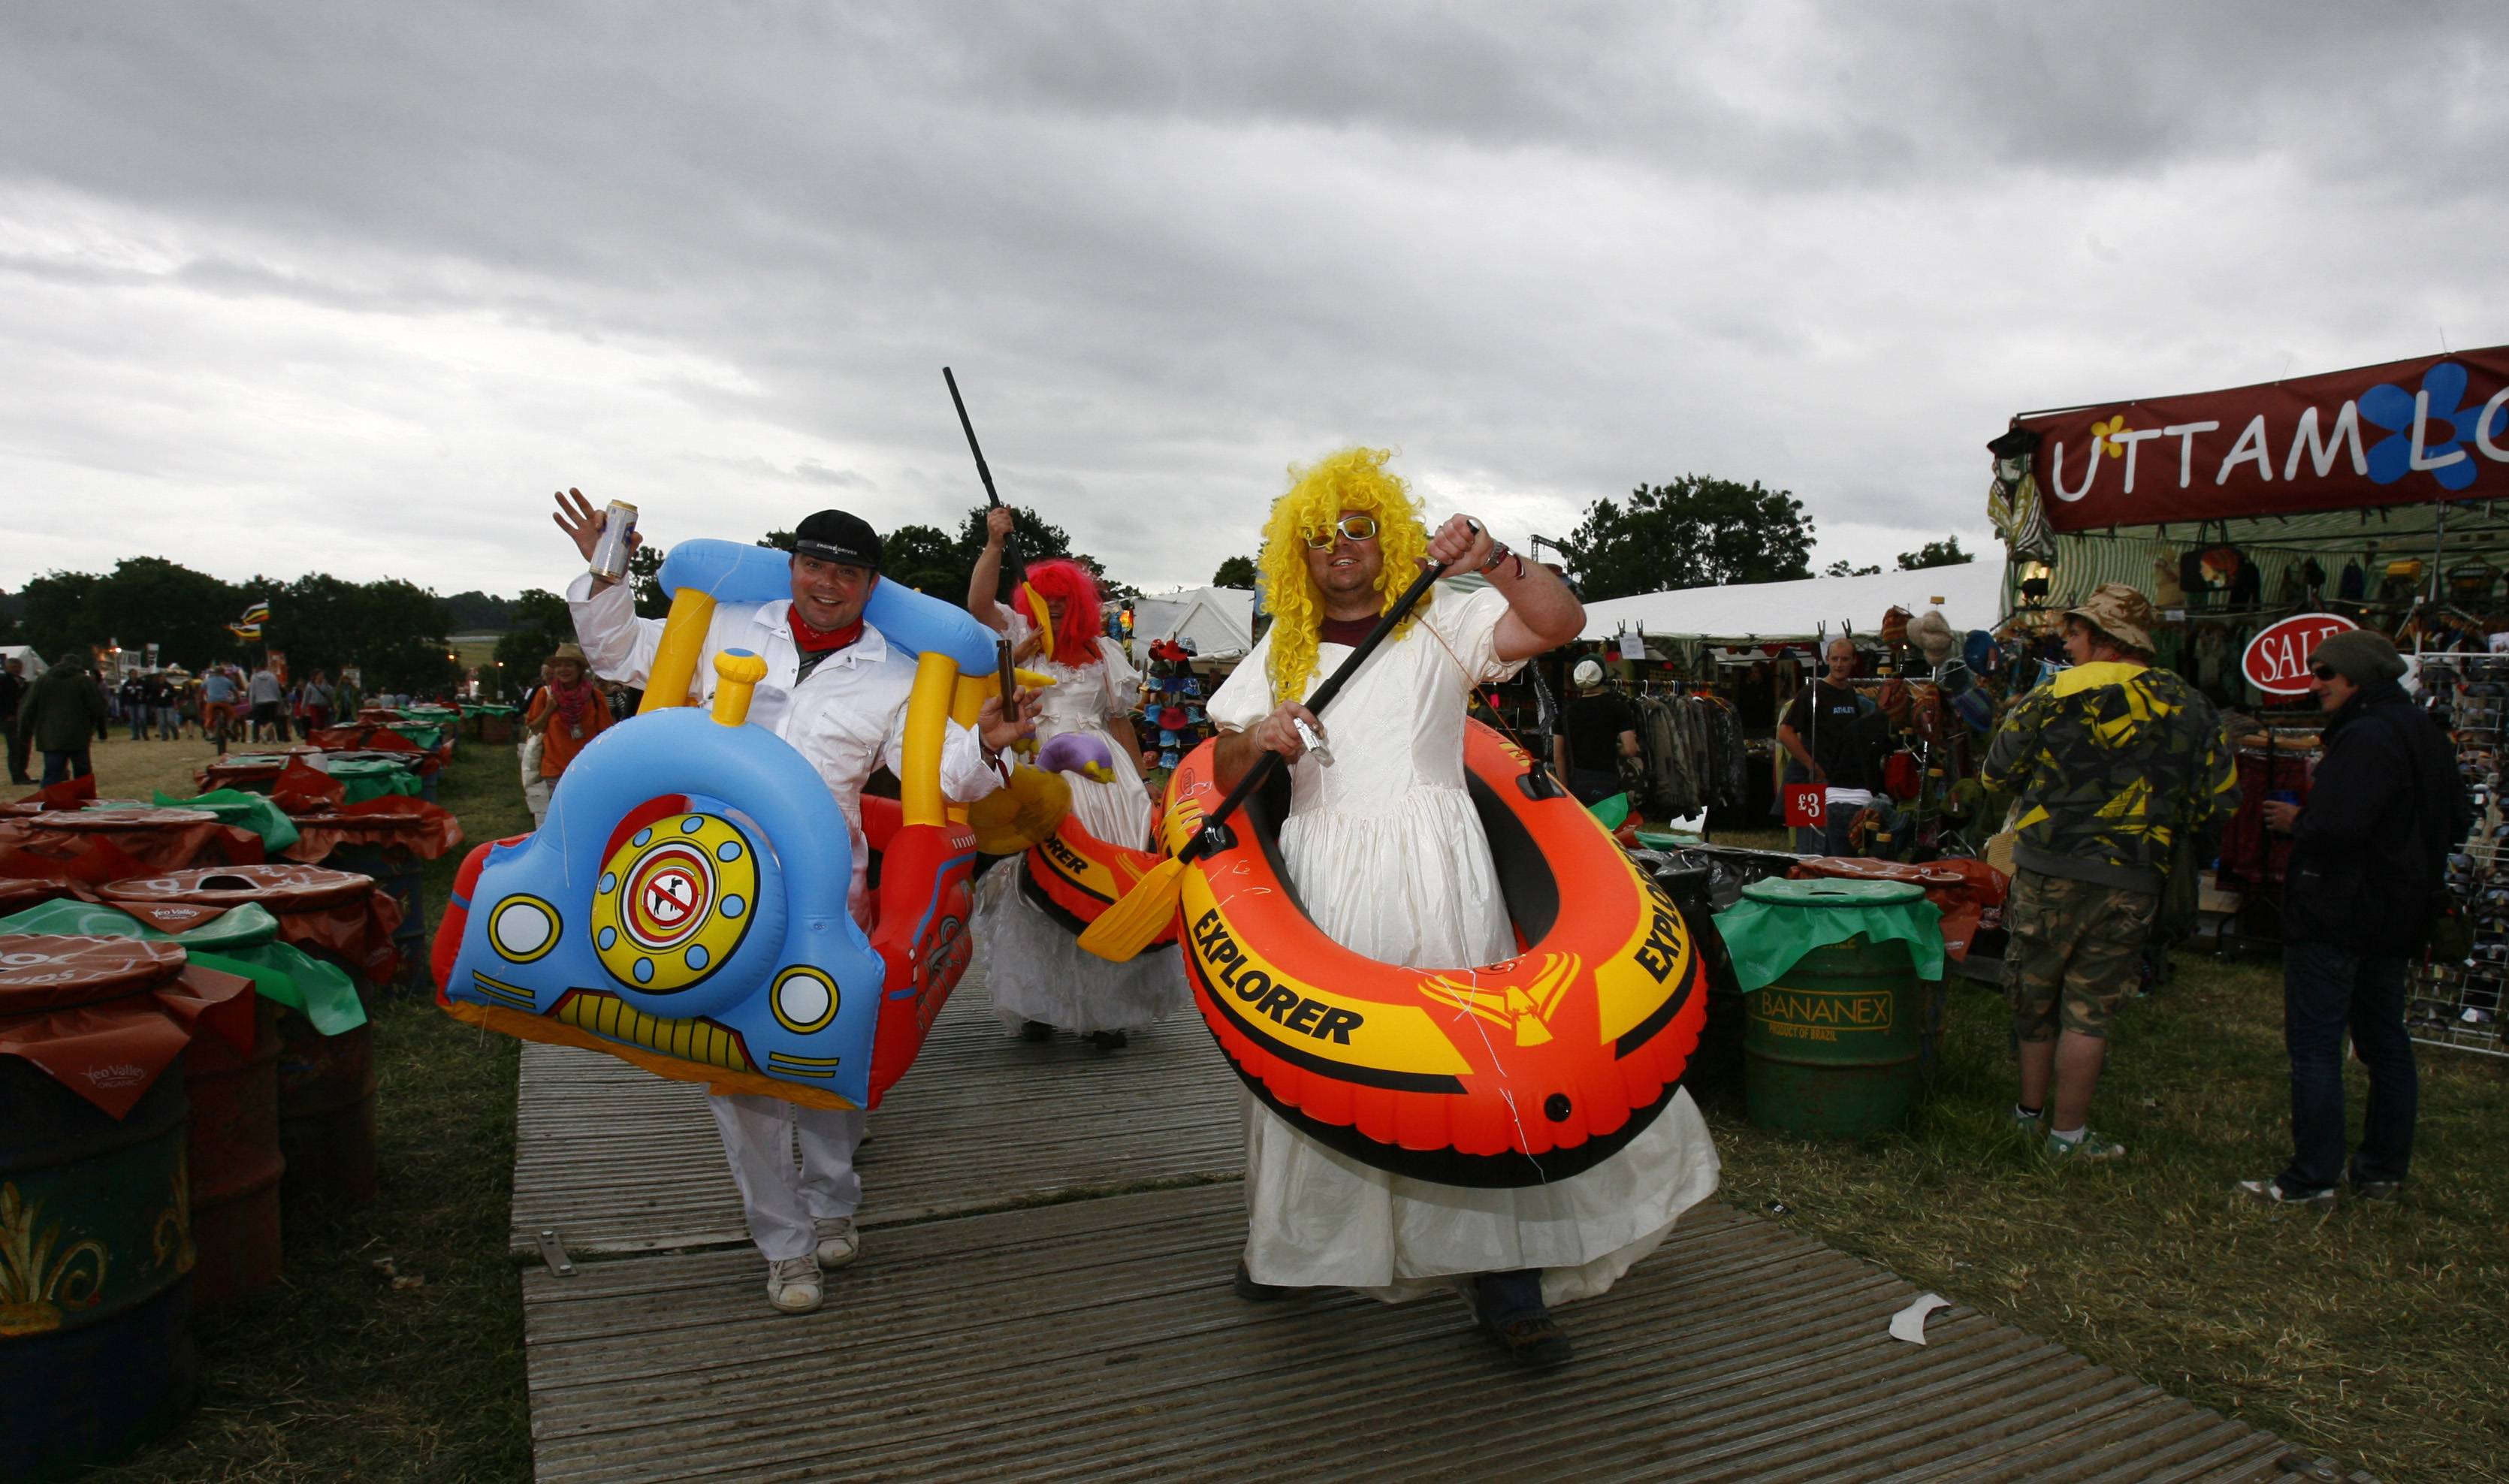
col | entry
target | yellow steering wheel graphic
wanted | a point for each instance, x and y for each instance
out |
(674, 902)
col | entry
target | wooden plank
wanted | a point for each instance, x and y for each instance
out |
(1099, 1339)
(619, 1161)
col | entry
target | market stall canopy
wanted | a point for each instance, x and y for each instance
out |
(1971, 594)
(34, 662)
(2406, 432)
(1220, 620)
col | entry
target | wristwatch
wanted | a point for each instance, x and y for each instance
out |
(1499, 553)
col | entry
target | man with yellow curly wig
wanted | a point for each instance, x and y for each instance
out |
(1391, 860)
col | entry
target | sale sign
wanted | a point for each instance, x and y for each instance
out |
(2277, 662)
(1806, 803)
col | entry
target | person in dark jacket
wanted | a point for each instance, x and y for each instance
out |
(14, 685)
(1598, 729)
(59, 718)
(2368, 852)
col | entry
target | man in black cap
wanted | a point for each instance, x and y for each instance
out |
(837, 692)
(2368, 853)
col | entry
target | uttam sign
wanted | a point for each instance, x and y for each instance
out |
(2276, 660)
(2404, 432)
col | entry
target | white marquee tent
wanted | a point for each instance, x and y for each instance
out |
(1971, 596)
(1220, 620)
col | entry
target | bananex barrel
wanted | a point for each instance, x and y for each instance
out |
(96, 1262)
(1831, 1045)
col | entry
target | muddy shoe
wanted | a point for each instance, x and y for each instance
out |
(793, 1284)
(1254, 1292)
(838, 1243)
(1533, 1340)
(2089, 1149)
(2279, 1194)
(1508, 1307)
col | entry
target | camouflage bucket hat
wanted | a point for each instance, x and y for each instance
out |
(2119, 611)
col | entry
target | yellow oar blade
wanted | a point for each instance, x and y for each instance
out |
(1123, 930)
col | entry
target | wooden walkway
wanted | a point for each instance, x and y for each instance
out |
(1024, 1307)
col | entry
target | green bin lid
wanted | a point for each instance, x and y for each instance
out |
(1832, 892)
(1666, 840)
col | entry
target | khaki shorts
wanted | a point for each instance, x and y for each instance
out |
(2075, 948)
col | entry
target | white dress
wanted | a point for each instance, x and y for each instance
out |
(1034, 968)
(1392, 862)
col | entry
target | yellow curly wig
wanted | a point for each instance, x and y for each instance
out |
(1350, 479)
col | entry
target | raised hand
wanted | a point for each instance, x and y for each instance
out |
(1459, 546)
(583, 522)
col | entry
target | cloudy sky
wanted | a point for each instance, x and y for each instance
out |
(352, 288)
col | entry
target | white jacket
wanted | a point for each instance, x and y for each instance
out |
(846, 720)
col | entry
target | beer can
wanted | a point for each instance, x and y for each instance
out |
(609, 553)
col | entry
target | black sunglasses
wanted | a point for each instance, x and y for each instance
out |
(2321, 672)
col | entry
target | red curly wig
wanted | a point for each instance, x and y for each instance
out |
(1075, 638)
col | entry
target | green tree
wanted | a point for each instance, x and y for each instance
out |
(1236, 572)
(392, 630)
(1695, 532)
(1943, 553)
(924, 558)
(934, 561)
(644, 575)
(143, 601)
(476, 610)
(59, 617)
(1841, 568)
(542, 622)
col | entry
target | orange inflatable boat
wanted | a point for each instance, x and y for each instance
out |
(1507, 1074)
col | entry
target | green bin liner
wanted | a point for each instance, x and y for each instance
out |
(256, 812)
(1779, 921)
(241, 941)
(368, 778)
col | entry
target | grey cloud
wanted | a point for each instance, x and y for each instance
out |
(1173, 249)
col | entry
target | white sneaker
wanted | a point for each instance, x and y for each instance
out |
(838, 1241)
(793, 1284)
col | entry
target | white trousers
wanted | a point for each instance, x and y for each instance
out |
(780, 1199)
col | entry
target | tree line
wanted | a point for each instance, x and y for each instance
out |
(1694, 531)
(926, 558)
(394, 631)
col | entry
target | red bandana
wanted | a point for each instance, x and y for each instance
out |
(810, 640)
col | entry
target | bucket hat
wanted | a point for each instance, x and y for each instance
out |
(2120, 612)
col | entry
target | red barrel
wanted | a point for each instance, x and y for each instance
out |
(95, 1241)
(326, 1084)
(236, 1164)
(326, 1112)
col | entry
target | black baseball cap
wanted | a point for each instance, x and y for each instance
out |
(839, 536)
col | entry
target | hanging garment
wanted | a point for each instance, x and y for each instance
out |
(2350, 586)
(2167, 591)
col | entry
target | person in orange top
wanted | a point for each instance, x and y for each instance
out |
(569, 712)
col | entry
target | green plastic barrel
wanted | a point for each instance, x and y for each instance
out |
(1832, 1046)
(95, 1293)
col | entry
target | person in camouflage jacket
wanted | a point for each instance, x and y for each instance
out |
(2107, 762)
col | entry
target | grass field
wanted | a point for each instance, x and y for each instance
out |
(2372, 1334)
